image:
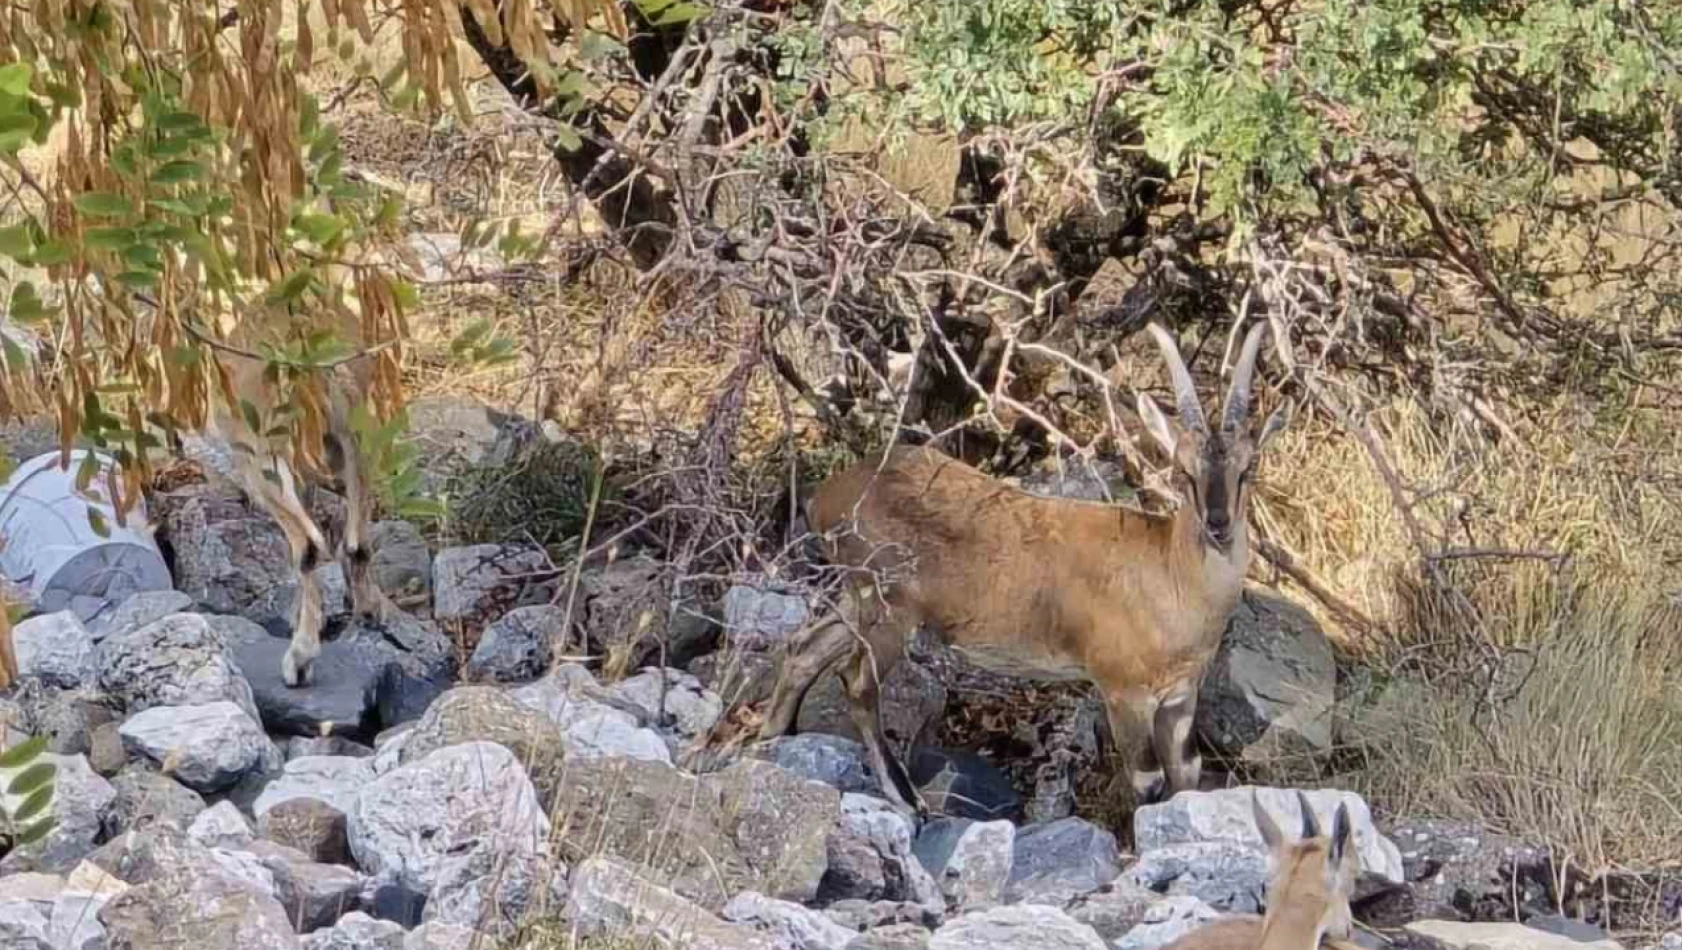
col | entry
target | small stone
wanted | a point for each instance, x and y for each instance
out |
(313, 894)
(871, 857)
(106, 754)
(356, 931)
(144, 797)
(1501, 935)
(55, 649)
(517, 646)
(473, 584)
(970, 860)
(221, 826)
(487, 714)
(495, 893)
(334, 780)
(402, 564)
(1227, 876)
(832, 760)
(309, 825)
(1016, 927)
(671, 699)
(789, 925)
(609, 736)
(893, 937)
(780, 822)
(1115, 910)
(760, 617)
(208, 748)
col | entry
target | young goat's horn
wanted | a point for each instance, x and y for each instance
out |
(1238, 395)
(1185, 394)
(1310, 824)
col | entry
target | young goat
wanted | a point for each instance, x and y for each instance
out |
(1042, 587)
(1309, 883)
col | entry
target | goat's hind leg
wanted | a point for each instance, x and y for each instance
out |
(811, 651)
(356, 553)
(865, 675)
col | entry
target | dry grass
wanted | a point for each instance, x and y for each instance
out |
(1550, 709)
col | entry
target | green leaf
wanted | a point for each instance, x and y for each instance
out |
(291, 287)
(253, 420)
(16, 360)
(103, 204)
(15, 242)
(110, 239)
(17, 130)
(30, 779)
(179, 122)
(96, 521)
(23, 753)
(319, 228)
(180, 206)
(178, 171)
(567, 140)
(35, 804)
(14, 79)
(51, 253)
(36, 832)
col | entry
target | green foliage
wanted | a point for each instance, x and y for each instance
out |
(26, 795)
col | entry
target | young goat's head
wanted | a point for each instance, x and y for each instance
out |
(1309, 880)
(1212, 466)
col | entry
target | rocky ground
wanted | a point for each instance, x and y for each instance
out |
(420, 795)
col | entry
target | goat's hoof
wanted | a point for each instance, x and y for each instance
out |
(295, 673)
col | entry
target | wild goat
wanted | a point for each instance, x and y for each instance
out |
(1042, 587)
(1309, 883)
(272, 482)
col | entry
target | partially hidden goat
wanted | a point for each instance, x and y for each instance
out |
(1047, 588)
(1309, 884)
(272, 478)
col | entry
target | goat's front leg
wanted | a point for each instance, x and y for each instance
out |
(1171, 735)
(864, 693)
(1131, 713)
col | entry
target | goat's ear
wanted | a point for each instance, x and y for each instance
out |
(1342, 836)
(1277, 420)
(1157, 424)
(1271, 835)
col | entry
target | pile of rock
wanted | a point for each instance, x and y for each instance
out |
(414, 799)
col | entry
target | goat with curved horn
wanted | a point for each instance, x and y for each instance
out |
(1049, 588)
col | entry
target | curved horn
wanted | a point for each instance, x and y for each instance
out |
(1310, 824)
(1237, 407)
(1185, 394)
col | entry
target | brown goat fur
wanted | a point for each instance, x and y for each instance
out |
(1042, 587)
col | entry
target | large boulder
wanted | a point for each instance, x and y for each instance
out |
(239, 565)
(357, 931)
(406, 824)
(1227, 816)
(208, 748)
(137, 611)
(486, 714)
(760, 614)
(1268, 693)
(871, 857)
(143, 797)
(610, 898)
(832, 760)
(1017, 927)
(55, 649)
(177, 661)
(671, 700)
(80, 802)
(310, 826)
(342, 698)
(970, 860)
(1500, 935)
(492, 891)
(1055, 862)
(753, 826)
(788, 924)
